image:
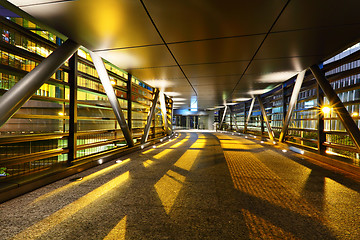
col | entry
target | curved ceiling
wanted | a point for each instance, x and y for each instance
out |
(218, 50)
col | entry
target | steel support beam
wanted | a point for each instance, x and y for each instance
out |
(164, 113)
(292, 104)
(234, 120)
(249, 114)
(337, 105)
(283, 88)
(270, 132)
(223, 116)
(73, 127)
(150, 116)
(105, 81)
(22, 91)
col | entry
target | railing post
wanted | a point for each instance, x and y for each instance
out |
(245, 125)
(262, 124)
(171, 115)
(129, 102)
(284, 102)
(231, 120)
(320, 126)
(73, 126)
(337, 105)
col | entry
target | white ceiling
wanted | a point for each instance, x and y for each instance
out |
(217, 50)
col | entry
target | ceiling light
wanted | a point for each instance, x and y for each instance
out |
(241, 99)
(326, 109)
(258, 92)
(160, 83)
(276, 77)
(355, 114)
(179, 99)
(172, 94)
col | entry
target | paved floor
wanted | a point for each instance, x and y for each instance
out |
(199, 186)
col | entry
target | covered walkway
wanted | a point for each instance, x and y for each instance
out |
(202, 185)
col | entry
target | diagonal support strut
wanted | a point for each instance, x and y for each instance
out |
(223, 116)
(249, 114)
(337, 105)
(270, 132)
(104, 78)
(292, 104)
(150, 116)
(22, 91)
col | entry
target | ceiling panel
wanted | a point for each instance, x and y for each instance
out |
(22, 3)
(310, 14)
(204, 70)
(109, 24)
(212, 40)
(158, 73)
(321, 43)
(251, 89)
(218, 80)
(280, 65)
(203, 19)
(141, 57)
(214, 51)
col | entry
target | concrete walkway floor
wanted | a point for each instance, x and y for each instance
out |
(198, 186)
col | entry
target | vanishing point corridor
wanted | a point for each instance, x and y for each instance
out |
(201, 185)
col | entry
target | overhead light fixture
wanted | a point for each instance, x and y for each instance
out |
(160, 83)
(179, 99)
(326, 109)
(355, 114)
(276, 77)
(258, 92)
(241, 99)
(172, 94)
